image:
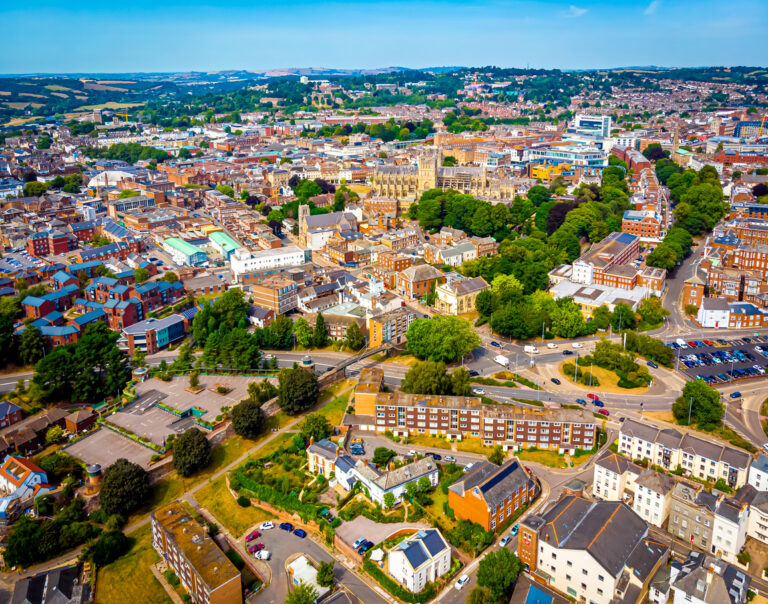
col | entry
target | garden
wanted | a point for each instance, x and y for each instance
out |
(619, 368)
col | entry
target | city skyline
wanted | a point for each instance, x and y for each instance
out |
(568, 35)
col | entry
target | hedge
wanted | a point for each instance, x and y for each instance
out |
(397, 590)
(284, 502)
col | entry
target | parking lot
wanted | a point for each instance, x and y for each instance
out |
(105, 447)
(721, 361)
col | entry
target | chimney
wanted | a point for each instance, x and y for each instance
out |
(311, 440)
(365, 461)
(391, 466)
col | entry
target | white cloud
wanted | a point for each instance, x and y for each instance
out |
(575, 11)
(651, 8)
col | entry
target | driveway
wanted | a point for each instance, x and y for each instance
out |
(373, 531)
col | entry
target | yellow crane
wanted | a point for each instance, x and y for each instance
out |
(762, 125)
(123, 115)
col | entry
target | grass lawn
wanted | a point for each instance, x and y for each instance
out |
(129, 579)
(609, 381)
(473, 445)
(223, 506)
(427, 440)
(552, 458)
(334, 411)
(666, 416)
(333, 390)
(437, 511)
(283, 440)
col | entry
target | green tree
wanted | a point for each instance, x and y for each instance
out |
(497, 455)
(303, 593)
(623, 317)
(480, 595)
(651, 311)
(320, 334)
(191, 452)
(316, 426)
(427, 377)
(355, 339)
(54, 435)
(389, 499)
(382, 455)
(170, 277)
(704, 404)
(108, 548)
(567, 320)
(34, 189)
(498, 572)
(424, 484)
(298, 390)
(325, 576)
(410, 489)
(227, 190)
(304, 334)
(140, 275)
(248, 419)
(32, 345)
(441, 338)
(449, 160)
(125, 193)
(460, 385)
(124, 488)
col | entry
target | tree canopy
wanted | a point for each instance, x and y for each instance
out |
(191, 452)
(441, 338)
(124, 488)
(298, 390)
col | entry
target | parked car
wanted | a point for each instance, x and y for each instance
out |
(450, 459)
(555, 381)
(461, 582)
(365, 547)
(435, 456)
(581, 401)
(567, 353)
(253, 535)
(504, 541)
(358, 542)
(300, 533)
(652, 364)
(263, 555)
(594, 397)
(412, 452)
(495, 343)
(286, 526)
(264, 526)
(478, 391)
(603, 412)
(473, 373)
(735, 394)
(598, 403)
(577, 345)
(514, 530)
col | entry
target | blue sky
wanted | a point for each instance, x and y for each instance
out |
(56, 36)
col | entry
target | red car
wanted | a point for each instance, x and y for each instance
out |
(594, 397)
(603, 411)
(253, 535)
(692, 344)
(255, 547)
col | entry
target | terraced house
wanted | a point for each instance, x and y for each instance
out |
(669, 449)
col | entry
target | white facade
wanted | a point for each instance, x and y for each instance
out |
(650, 505)
(757, 523)
(318, 238)
(758, 473)
(610, 485)
(576, 573)
(429, 565)
(729, 531)
(243, 261)
(713, 317)
(394, 481)
(582, 272)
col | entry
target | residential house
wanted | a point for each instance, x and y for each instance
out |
(730, 528)
(614, 475)
(420, 559)
(416, 281)
(21, 481)
(701, 579)
(321, 457)
(758, 473)
(697, 457)
(653, 497)
(393, 480)
(62, 585)
(9, 414)
(489, 494)
(81, 420)
(458, 296)
(692, 514)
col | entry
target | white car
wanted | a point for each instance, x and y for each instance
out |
(462, 581)
(411, 452)
(263, 555)
(478, 391)
(577, 345)
(267, 525)
(359, 542)
(551, 345)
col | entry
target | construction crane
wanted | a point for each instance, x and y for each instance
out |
(123, 115)
(762, 125)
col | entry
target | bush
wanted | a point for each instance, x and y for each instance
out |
(235, 558)
(243, 501)
(744, 558)
(109, 547)
(171, 577)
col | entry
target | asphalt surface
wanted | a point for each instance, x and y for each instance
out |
(707, 353)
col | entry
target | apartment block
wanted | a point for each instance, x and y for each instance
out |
(205, 572)
(697, 457)
(390, 327)
(275, 293)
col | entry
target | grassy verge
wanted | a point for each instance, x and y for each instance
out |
(473, 445)
(129, 579)
(217, 499)
(334, 411)
(427, 440)
(551, 458)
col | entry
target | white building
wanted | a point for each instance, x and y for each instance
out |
(729, 531)
(243, 262)
(705, 580)
(653, 496)
(714, 312)
(614, 476)
(379, 482)
(420, 560)
(758, 473)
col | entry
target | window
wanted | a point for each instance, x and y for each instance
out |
(569, 563)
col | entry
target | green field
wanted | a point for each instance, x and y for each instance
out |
(218, 500)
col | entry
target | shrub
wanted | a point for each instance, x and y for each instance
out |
(243, 501)
(235, 558)
(171, 577)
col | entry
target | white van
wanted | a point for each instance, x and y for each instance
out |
(531, 349)
(577, 345)
(551, 345)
